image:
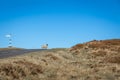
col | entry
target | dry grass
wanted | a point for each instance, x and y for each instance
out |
(113, 59)
(64, 64)
(19, 69)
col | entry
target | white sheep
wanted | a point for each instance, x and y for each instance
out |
(45, 46)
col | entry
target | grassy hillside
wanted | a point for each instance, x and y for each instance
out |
(109, 50)
(94, 60)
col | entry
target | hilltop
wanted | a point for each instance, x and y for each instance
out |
(113, 44)
(107, 49)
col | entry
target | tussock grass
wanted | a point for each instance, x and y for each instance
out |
(64, 64)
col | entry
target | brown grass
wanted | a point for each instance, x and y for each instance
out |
(103, 44)
(19, 69)
(99, 53)
(113, 59)
(78, 63)
(51, 56)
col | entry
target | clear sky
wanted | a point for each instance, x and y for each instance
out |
(59, 23)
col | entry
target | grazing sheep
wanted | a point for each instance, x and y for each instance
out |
(45, 46)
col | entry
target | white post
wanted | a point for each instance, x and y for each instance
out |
(10, 40)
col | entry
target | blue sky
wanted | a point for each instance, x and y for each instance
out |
(60, 23)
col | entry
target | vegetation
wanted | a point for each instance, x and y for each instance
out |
(88, 61)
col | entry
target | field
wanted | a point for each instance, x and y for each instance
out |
(95, 60)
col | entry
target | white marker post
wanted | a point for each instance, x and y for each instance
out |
(10, 40)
